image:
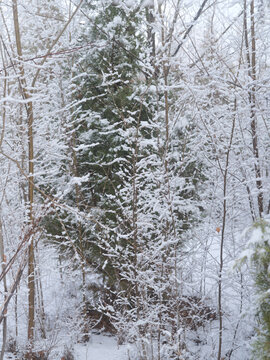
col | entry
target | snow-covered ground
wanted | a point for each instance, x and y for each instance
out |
(61, 289)
(101, 347)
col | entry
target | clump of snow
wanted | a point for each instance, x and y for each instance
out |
(148, 3)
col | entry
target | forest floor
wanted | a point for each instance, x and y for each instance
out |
(101, 347)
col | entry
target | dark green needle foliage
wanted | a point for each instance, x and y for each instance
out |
(260, 260)
(107, 77)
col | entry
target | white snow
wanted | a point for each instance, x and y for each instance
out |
(101, 347)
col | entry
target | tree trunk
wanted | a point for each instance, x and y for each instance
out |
(251, 61)
(3, 260)
(29, 109)
(224, 223)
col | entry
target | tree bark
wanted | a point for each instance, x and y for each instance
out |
(3, 260)
(224, 221)
(29, 109)
(251, 61)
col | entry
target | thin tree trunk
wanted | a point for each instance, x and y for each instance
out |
(151, 38)
(138, 294)
(29, 109)
(78, 195)
(224, 220)
(2, 247)
(150, 33)
(251, 61)
(166, 39)
(253, 113)
(198, 14)
(40, 309)
(16, 317)
(3, 260)
(229, 353)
